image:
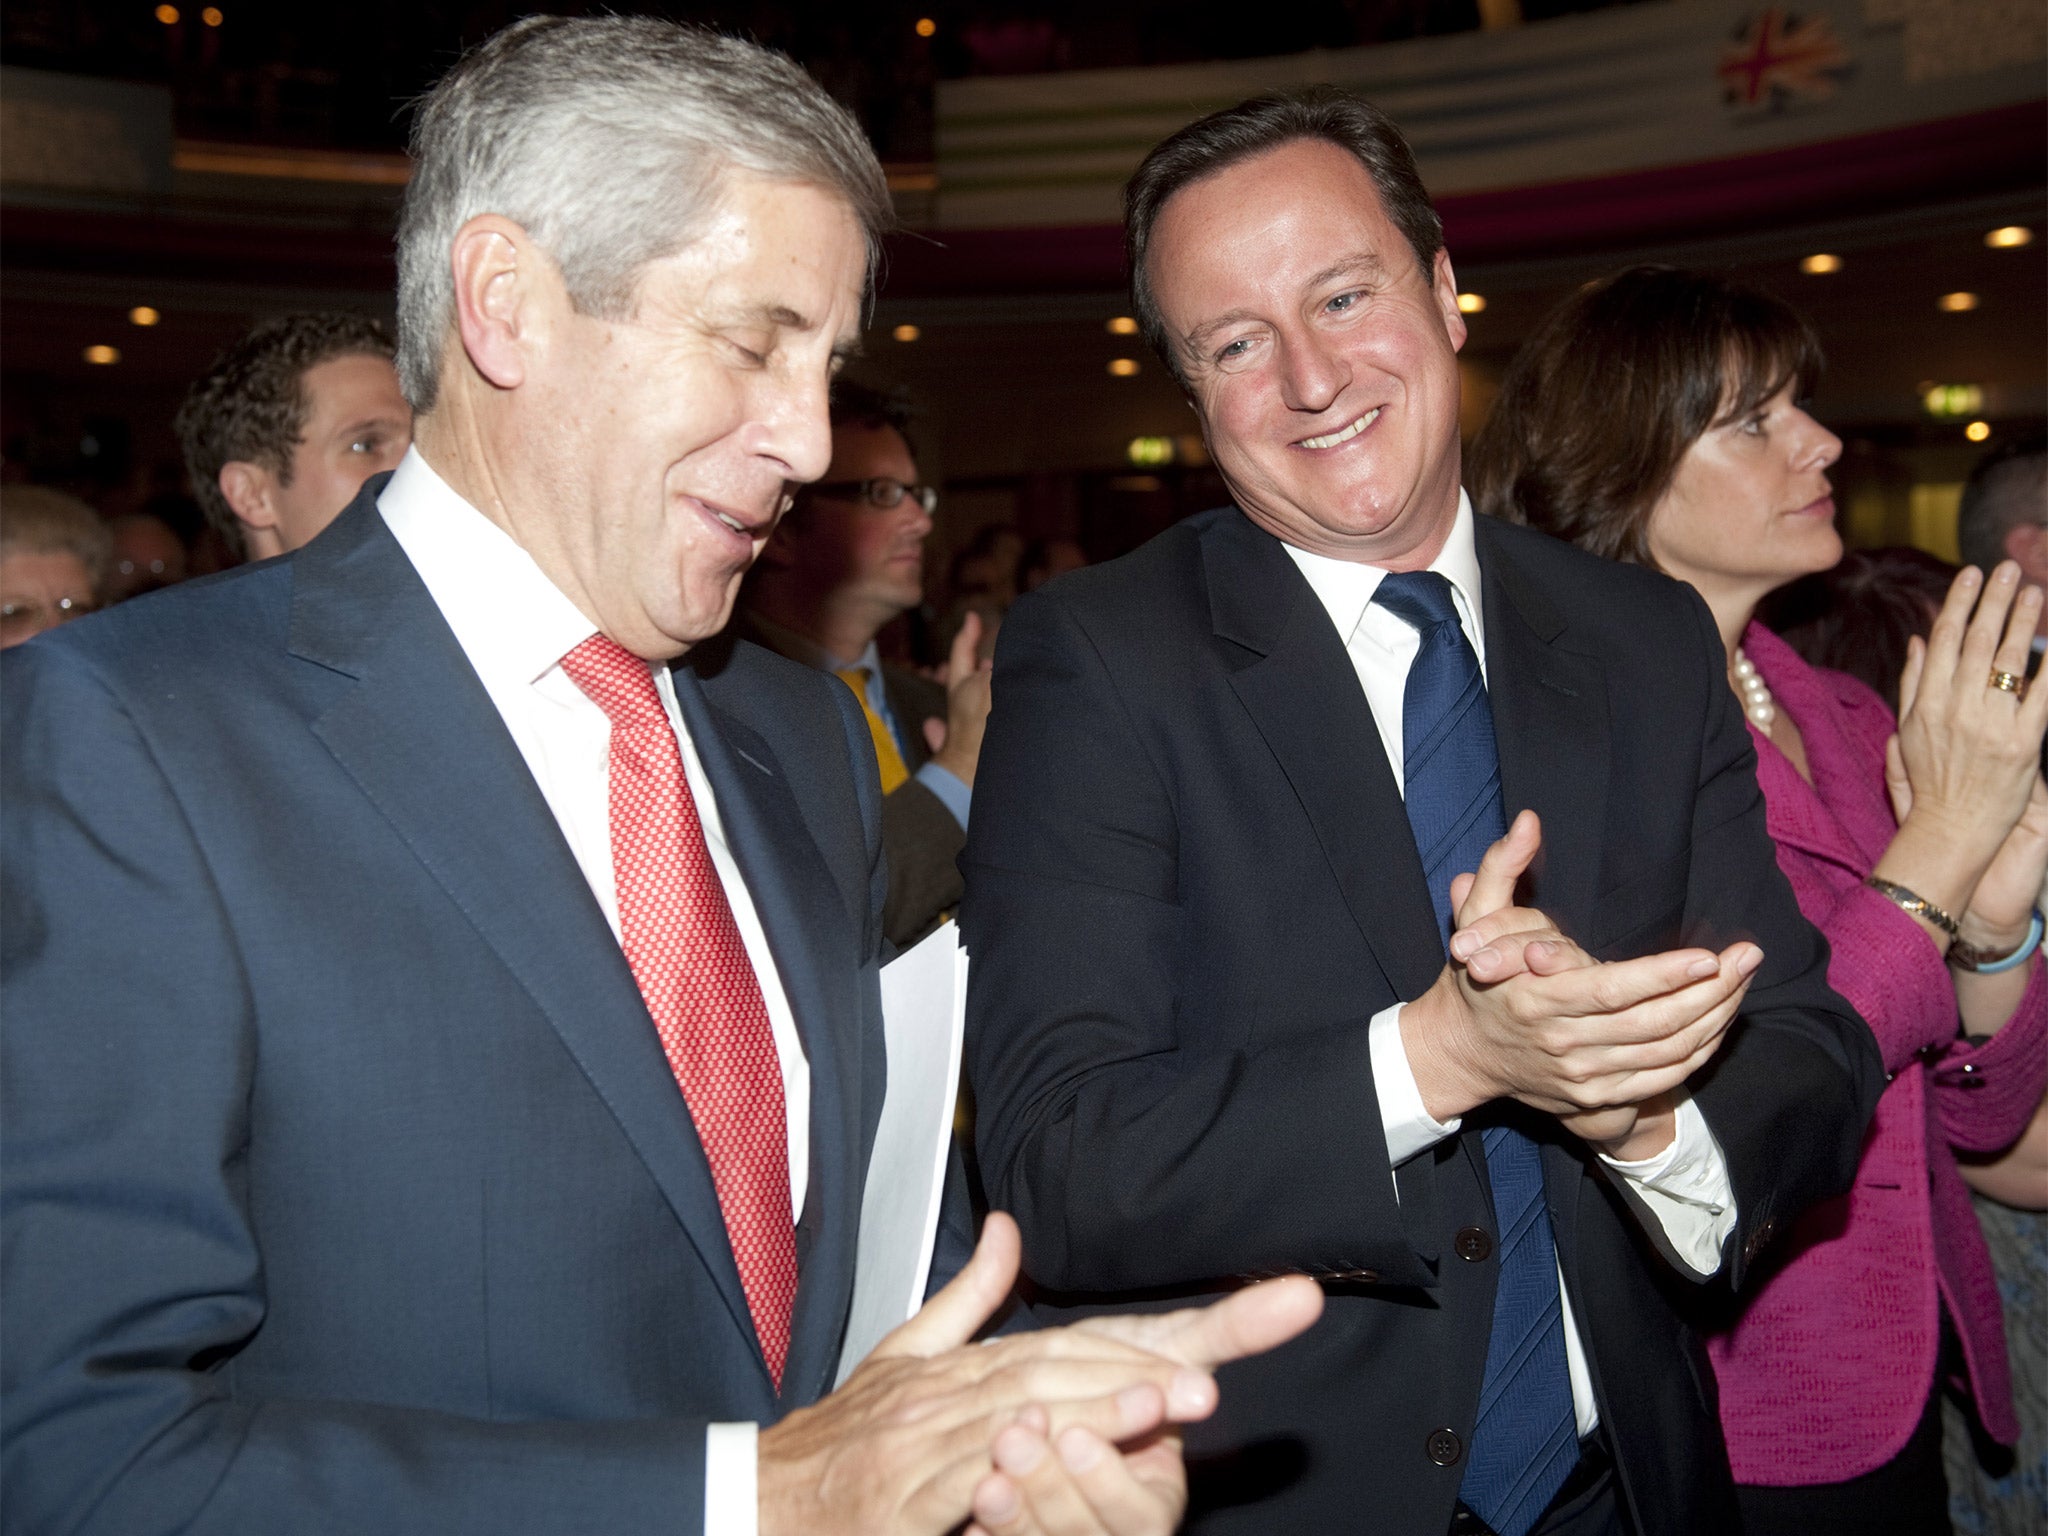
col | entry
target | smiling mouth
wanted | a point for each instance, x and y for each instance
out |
(1344, 436)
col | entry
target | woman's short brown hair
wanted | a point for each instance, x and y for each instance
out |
(1613, 387)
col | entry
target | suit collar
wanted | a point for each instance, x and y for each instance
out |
(818, 958)
(1799, 813)
(1551, 728)
(1297, 684)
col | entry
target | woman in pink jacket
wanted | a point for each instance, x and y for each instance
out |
(1656, 417)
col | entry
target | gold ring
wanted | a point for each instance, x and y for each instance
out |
(2008, 682)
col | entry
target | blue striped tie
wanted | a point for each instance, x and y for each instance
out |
(1524, 1441)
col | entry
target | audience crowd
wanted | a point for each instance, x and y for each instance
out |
(1516, 786)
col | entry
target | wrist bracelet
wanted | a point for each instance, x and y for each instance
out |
(1915, 903)
(1968, 957)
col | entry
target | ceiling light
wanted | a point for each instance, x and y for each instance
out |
(1956, 303)
(1820, 264)
(212, 16)
(142, 314)
(926, 26)
(103, 355)
(1977, 431)
(1471, 303)
(1123, 325)
(167, 14)
(1123, 367)
(2011, 235)
(1147, 452)
(906, 333)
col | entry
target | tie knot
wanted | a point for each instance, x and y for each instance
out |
(1420, 598)
(617, 681)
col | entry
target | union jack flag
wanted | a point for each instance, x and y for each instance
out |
(1779, 56)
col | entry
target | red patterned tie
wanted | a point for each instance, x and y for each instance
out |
(692, 967)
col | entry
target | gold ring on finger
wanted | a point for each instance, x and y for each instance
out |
(2008, 682)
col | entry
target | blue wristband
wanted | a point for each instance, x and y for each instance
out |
(1972, 959)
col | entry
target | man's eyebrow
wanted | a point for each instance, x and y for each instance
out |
(1362, 263)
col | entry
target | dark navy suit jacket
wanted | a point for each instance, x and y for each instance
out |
(346, 1187)
(1191, 883)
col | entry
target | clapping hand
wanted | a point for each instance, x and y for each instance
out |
(1523, 1012)
(1022, 1432)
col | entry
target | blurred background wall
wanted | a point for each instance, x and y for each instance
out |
(171, 174)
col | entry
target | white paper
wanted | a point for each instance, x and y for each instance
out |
(924, 1016)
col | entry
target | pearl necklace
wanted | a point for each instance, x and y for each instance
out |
(1756, 693)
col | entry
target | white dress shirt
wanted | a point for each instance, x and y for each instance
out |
(515, 626)
(1687, 1184)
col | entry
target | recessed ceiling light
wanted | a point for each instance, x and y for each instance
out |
(1956, 303)
(926, 26)
(167, 14)
(1820, 264)
(2004, 239)
(142, 314)
(1123, 367)
(1123, 325)
(102, 355)
(906, 333)
(1471, 303)
(1977, 431)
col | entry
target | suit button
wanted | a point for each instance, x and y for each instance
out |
(1472, 1244)
(1444, 1447)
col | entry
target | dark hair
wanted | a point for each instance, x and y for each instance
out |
(251, 406)
(1614, 386)
(1858, 617)
(1222, 139)
(858, 405)
(2008, 487)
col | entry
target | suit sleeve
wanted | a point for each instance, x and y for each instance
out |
(132, 1271)
(1129, 1159)
(1791, 1091)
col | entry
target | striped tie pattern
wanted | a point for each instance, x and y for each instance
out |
(1524, 1441)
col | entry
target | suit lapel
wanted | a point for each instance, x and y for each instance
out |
(1301, 691)
(1550, 723)
(818, 959)
(421, 738)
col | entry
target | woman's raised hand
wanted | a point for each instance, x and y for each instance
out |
(1967, 759)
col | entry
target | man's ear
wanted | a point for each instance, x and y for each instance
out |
(1443, 287)
(504, 285)
(250, 492)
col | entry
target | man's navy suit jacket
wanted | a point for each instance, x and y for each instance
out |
(1191, 883)
(346, 1185)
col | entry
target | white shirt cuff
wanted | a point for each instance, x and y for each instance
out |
(1408, 1125)
(1687, 1187)
(731, 1497)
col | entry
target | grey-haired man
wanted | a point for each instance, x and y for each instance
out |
(366, 911)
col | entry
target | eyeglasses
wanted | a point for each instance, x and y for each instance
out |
(881, 492)
(24, 617)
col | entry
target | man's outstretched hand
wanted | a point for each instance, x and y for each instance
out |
(1025, 1431)
(1522, 1012)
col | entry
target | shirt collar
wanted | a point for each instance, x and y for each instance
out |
(1345, 587)
(513, 623)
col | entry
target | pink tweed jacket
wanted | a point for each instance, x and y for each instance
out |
(1825, 1374)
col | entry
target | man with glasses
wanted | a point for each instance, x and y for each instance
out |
(847, 558)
